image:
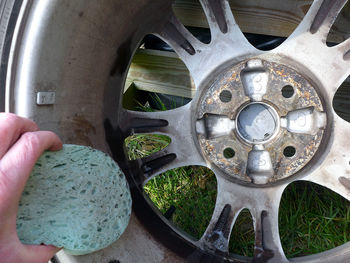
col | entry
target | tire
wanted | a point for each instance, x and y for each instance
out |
(9, 11)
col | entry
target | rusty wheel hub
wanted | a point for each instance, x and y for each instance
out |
(260, 122)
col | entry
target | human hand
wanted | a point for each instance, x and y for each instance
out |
(21, 144)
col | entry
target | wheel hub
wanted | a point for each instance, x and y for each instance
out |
(259, 122)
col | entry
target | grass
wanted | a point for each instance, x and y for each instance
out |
(142, 145)
(242, 236)
(175, 187)
(191, 190)
(312, 219)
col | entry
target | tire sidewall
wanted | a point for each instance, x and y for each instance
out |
(9, 12)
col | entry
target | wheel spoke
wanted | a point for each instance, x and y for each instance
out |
(344, 48)
(180, 39)
(307, 46)
(263, 204)
(222, 22)
(228, 42)
(174, 123)
(176, 154)
(157, 162)
(226, 36)
(228, 205)
(187, 47)
(325, 16)
(329, 65)
(320, 18)
(334, 172)
(268, 246)
(219, 16)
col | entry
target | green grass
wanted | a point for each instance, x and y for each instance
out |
(191, 190)
(312, 219)
(157, 101)
(242, 236)
(176, 187)
(142, 145)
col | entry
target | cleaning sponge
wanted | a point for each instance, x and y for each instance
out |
(77, 198)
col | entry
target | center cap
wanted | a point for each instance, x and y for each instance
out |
(257, 123)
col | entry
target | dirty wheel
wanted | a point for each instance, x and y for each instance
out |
(260, 119)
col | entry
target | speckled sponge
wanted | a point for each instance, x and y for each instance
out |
(76, 198)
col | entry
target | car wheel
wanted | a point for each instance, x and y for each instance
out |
(64, 64)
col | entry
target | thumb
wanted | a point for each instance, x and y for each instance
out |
(38, 254)
(18, 162)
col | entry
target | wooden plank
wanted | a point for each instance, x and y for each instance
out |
(170, 89)
(268, 17)
(162, 72)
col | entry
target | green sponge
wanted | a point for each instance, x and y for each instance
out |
(77, 198)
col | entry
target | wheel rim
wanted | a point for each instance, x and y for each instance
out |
(229, 42)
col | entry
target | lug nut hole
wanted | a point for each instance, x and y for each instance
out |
(289, 151)
(225, 96)
(229, 153)
(287, 91)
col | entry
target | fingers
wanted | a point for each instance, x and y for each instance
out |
(11, 128)
(38, 254)
(13, 251)
(17, 164)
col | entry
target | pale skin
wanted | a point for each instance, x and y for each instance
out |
(21, 144)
